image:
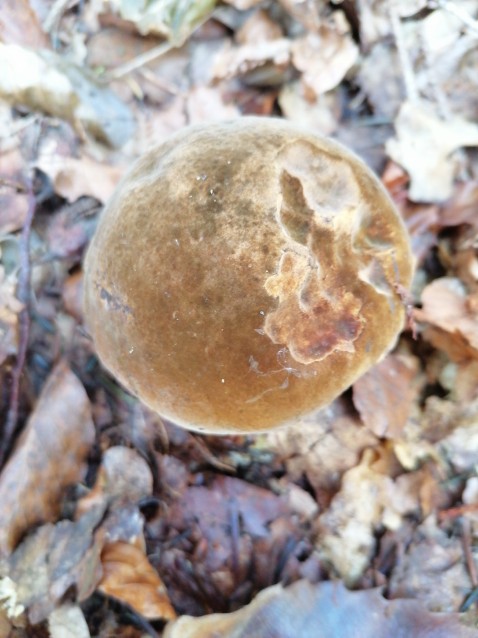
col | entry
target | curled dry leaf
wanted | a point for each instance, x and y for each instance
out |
(73, 178)
(19, 24)
(123, 477)
(42, 80)
(324, 58)
(424, 146)
(384, 395)
(49, 456)
(326, 609)
(321, 115)
(263, 63)
(55, 559)
(447, 306)
(129, 577)
(323, 448)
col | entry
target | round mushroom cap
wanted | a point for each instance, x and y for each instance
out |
(244, 274)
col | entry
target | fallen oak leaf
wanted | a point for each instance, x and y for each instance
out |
(129, 577)
(49, 456)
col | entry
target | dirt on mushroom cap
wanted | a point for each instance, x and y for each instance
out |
(245, 274)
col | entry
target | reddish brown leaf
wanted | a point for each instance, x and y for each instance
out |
(128, 576)
(384, 395)
(48, 457)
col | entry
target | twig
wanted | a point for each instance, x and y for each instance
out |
(138, 62)
(54, 15)
(23, 295)
(405, 62)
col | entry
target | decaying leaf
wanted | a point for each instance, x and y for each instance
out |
(322, 449)
(424, 146)
(324, 58)
(321, 114)
(384, 395)
(327, 610)
(448, 306)
(55, 559)
(174, 19)
(263, 63)
(19, 24)
(42, 80)
(49, 456)
(432, 570)
(123, 477)
(73, 177)
(129, 577)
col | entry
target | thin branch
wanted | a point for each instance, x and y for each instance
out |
(403, 54)
(138, 62)
(23, 295)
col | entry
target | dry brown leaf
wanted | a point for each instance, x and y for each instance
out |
(323, 448)
(55, 559)
(327, 610)
(48, 457)
(123, 477)
(424, 146)
(324, 58)
(384, 395)
(73, 178)
(446, 305)
(19, 24)
(73, 295)
(321, 115)
(461, 208)
(129, 577)
(259, 27)
(432, 570)
(264, 62)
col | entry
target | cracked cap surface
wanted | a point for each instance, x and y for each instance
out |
(244, 274)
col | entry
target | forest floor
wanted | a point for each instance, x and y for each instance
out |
(364, 523)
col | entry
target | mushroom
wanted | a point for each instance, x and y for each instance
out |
(244, 274)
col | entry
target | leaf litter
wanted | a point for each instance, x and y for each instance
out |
(114, 522)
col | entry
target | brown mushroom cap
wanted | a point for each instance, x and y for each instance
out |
(244, 274)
